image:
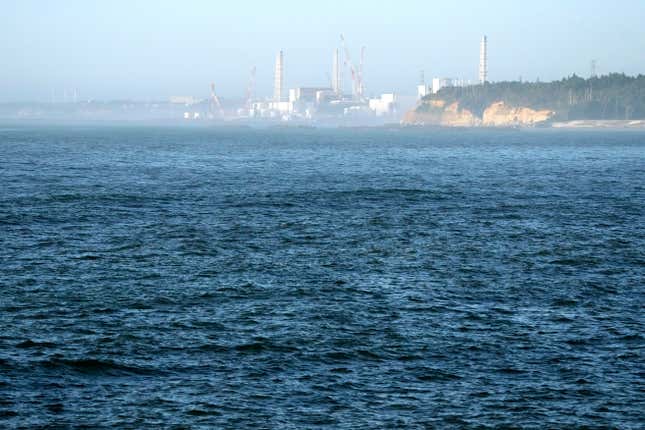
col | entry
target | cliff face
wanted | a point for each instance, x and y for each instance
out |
(501, 115)
(456, 117)
(439, 113)
(436, 112)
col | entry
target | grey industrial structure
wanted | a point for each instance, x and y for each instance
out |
(483, 61)
(314, 102)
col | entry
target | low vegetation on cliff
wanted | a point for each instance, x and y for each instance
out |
(611, 97)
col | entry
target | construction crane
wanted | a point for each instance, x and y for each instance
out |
(356, 84)
(361, 82)
(250, 89)
(214, 103)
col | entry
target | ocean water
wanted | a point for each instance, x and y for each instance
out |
(166, 277)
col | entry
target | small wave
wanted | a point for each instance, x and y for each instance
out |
(203, 413)
(11, 220)
(579, 341)
(55, 408)
(574, 262)
(210, 347)
(88, 257)
(102, 311)
(335, 356)
(31, 344)
(636, 337)
(260, 346)
(584, 392)
(410, 358)
(139, 306)
(365, 354)
(564, 302)
(562, 319)
(93, 366)
(431, 374)
(511, 371)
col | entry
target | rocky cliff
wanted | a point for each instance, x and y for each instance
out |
(501, 115)
(498, 114)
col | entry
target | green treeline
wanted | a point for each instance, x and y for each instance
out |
(611, 97)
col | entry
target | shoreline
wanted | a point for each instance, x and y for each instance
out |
(600, 124)
(582, 125)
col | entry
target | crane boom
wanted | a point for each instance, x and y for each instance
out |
(358, 86)
(361, 85)
(250, 89)
(215, 101)
(348, 61)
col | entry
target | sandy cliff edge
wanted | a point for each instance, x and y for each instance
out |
(499, 114)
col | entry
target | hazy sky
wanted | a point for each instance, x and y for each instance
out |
(151, 49)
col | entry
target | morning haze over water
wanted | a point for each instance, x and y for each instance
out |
(327, 216)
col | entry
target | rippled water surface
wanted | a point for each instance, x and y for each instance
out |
(159, 277)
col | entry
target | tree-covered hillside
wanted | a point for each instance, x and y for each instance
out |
(614, 96)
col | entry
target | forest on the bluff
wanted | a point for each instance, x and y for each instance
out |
(610, 97)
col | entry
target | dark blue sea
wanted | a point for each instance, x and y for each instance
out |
(195, 278)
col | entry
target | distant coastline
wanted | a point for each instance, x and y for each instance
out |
(611, 101)
(600, 124)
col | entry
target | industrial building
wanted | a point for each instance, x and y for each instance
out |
(437, 84)
(384, 105)
(325, 102)
(310, 102)
(423, 90)
(337, 83)
(184, 100)
(279, 77)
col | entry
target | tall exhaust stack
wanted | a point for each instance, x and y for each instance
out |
(279, 77)
(336, 82)
(483, 61)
